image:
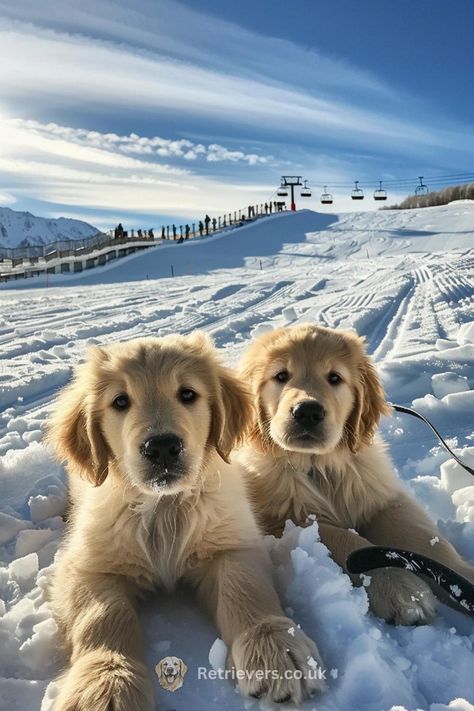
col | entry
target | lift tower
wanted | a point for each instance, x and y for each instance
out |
(291, 182)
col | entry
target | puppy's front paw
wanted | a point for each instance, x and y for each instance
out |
(275, 660)
(103, 680)
(401, 597)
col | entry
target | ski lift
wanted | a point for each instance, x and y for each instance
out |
(305, 191)
(421, 189)
(282, 191)
(326, 198)
(357, 193)
(380, 193)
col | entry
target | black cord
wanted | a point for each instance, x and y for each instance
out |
(409, 411)
(460, 590)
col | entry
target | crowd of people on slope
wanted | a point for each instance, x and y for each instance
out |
(205, 226)
(120, 233)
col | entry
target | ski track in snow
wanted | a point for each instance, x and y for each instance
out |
(407, 287)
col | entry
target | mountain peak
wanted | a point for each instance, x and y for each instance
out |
(22, 229)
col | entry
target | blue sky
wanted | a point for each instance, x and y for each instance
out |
(158, 111)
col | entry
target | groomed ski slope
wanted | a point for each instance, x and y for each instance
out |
(401, 278)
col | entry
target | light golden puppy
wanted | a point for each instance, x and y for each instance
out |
(147, 427)
(313, 449)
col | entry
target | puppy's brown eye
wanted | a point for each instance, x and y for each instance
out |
(282, 376)
(121, 402)
(186, 395)
(334, 378)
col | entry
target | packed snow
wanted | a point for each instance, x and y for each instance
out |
(401, 278)
(22, 229)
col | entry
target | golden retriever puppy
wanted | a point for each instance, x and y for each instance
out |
(147, 427)
(313, 449)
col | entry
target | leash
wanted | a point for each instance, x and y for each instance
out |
(414, 413)
(459, 590)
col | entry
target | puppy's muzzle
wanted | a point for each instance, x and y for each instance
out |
(163, 451)
(308, 414)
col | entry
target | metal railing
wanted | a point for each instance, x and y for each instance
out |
(63, 248)
(39, 255)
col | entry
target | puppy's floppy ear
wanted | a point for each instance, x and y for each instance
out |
(201, 340)
(369, 406)
(74, 428)
(159, 668)
(258, 428)
(251, 369)
(182, 669)
(231, 412)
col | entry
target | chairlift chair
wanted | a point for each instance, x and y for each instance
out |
(326, 198)
(305, 191)
(357, 193)
(282, 191)
(380, 193)
(421, 189)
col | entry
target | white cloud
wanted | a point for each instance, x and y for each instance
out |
(95, 146)
(55, 69)
(80, 168)
(176, 30)
(7, 199)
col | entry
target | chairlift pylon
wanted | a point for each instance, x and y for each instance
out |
(326, 198)
(380, 193)
(357, 193)
(421, 189)
(305, 191)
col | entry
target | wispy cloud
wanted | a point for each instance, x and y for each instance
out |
(7, 199)
(77, 168)
(178, 31)
(108, 75)
(94, 143)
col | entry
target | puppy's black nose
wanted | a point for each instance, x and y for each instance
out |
(308, 413)
(162, 449)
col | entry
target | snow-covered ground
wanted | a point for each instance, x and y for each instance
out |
(402, 278)
(24, 229)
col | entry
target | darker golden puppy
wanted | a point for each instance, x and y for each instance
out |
(313, 449)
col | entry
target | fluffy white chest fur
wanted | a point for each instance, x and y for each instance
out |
(174, 533)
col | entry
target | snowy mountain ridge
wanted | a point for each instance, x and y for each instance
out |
(22, 229)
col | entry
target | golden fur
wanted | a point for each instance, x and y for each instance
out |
(136, 525)
(337, 468)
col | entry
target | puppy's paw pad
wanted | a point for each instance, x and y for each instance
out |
(278, 661)
(401, 597)
(102, 680)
